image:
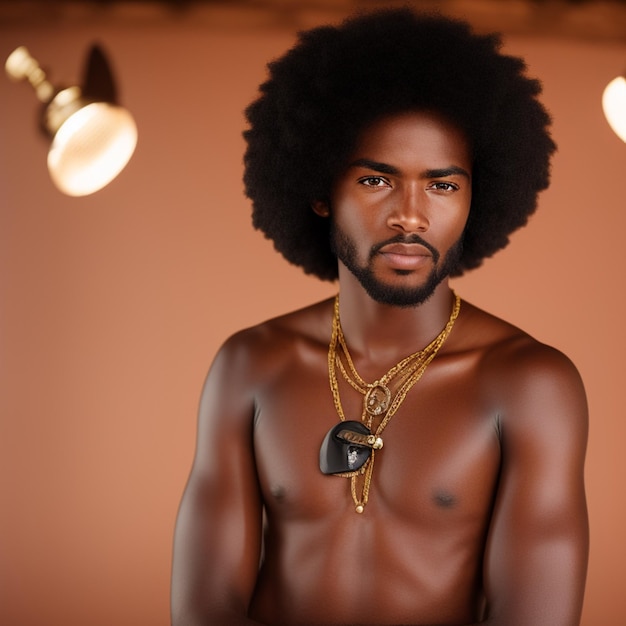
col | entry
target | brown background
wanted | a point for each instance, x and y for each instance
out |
(112, 305)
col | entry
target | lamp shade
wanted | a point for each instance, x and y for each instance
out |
(91, 147)
(614, 105)
(92, 137)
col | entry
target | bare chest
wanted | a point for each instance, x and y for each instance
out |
(439, 461)
(418, 545)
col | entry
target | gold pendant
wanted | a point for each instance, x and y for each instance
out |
(377, 399)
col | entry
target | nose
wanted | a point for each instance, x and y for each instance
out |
(408, 213)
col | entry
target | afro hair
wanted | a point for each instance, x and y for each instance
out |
(337, 80)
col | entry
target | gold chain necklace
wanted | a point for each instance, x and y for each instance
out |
(378, 399)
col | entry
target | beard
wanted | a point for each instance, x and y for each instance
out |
(384, 293)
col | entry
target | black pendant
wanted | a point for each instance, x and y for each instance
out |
(342, 451)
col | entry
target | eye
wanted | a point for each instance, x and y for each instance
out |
(373, 181)
(443, 186)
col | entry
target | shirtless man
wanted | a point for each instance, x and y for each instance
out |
(393, 456)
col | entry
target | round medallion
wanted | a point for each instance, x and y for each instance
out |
(377, 399)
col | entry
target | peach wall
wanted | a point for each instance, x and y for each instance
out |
(111, 307)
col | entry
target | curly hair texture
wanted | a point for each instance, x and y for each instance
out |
(337, 80)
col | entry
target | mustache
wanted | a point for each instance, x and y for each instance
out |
(413, 238)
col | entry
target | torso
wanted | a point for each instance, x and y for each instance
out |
(415, 554)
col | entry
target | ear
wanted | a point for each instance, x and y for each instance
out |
(321, 208)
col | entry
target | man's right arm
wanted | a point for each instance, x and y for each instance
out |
(217, 542)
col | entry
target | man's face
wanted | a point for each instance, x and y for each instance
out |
(399, 208)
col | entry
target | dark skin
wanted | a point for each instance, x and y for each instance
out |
(477, 506)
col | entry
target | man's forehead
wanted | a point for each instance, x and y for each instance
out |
(390, 143)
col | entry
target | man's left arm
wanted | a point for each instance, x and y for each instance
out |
(537, 547)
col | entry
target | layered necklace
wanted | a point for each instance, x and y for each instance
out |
(349, 448)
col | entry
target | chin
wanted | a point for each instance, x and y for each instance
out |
(404, 297)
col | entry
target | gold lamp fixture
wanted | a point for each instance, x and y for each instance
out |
(93, 138)
(614, 106)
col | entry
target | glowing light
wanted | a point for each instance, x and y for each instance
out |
(614, 105)
(92, 137)
(91, 148)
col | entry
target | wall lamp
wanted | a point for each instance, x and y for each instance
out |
(614, 106)
(92, 137)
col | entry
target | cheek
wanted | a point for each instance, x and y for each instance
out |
(463, 214)
(351, 219)
(463, 221)
(453, 229)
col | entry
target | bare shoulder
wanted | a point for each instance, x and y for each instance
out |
(529, 381)
(509, 350)
(248, 364)
(259, 352)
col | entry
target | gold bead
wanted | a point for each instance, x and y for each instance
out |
(359, 508)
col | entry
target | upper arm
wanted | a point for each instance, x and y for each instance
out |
(218, 531)
(536, 557)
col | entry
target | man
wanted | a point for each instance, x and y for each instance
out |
(394, 455)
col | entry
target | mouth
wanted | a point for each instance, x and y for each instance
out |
(405, 256)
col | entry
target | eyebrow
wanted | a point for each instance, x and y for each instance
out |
(385, 168)
(453, 170)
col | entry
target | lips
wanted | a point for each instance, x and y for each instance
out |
(405, 255)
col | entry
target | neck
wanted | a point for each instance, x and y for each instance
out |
(381, 333)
